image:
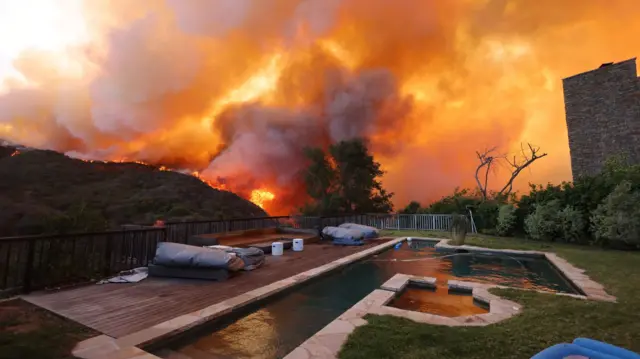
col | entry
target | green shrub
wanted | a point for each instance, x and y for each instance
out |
(573, 225)
(506, 220)
(485, 212)
(78, 218)
(617, 218)
(486, 216)
(178, 211)
(584, 195)
(454, 204)
(412, 208)
(544, 224)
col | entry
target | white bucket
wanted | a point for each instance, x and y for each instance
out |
(298, 244)
(277, 249)
(409, 239)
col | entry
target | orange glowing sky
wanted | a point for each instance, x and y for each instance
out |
(235, 88)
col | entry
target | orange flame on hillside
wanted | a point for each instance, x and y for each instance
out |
(219, 186)
(261, 196)
(258, 196)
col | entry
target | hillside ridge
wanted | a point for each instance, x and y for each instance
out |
(43, 191)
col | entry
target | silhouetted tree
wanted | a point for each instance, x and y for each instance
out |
(345, 180)
(487, 159)
(412, 208)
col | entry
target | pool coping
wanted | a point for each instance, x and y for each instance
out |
(128, 347)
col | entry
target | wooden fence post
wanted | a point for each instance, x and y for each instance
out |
(107, 256)
(28, 271)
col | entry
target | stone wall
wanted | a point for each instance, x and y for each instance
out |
(603, 116)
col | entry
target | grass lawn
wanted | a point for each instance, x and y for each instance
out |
(546, 319)
(28, 332)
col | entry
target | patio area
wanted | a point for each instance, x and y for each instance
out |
(120, 309)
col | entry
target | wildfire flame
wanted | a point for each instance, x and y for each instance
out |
(261, 196)
(15, 153)
(220, 186)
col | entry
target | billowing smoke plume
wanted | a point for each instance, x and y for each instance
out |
(237, 88)
(269, 141)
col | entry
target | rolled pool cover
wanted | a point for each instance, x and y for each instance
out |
(186, 256)
(252, 257)
(344, 236)
(369, 232)
(216, 274)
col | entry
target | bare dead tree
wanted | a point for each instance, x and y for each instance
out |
(486, 159)
(515, 165)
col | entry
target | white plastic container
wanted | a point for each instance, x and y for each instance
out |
(409, 239)
(277, 249)
(298, 244)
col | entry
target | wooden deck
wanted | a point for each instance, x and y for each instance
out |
(121, 309)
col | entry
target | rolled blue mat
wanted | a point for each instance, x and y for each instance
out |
(559, 351)
(601, 347)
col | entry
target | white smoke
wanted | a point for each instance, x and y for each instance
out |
(210, 18)
(148, 63)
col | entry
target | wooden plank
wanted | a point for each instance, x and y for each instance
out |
(121, 309)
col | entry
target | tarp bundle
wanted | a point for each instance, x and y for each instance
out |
(182, 255)
(368, 232)
(129, 276)
(252, 257)
(344, 236)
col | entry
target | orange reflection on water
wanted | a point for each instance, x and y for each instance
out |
(438, 302)
(238, 340)
(474, 267)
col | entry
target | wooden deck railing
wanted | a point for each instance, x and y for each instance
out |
(45, 261)
(36, 262)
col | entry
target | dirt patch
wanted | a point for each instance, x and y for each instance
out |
(27, 331)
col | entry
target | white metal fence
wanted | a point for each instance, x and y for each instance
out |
(425, 222)
(420, 222)
(416, 222)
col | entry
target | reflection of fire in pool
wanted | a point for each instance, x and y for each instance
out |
(276, 326)
(438, 301)
(237, 340)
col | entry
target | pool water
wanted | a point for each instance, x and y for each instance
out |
(438, 301)
(280, 324)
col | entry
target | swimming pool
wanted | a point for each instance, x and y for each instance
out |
(276, 326)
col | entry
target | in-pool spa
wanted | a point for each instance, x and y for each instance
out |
(274, 327)
(439, 301)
